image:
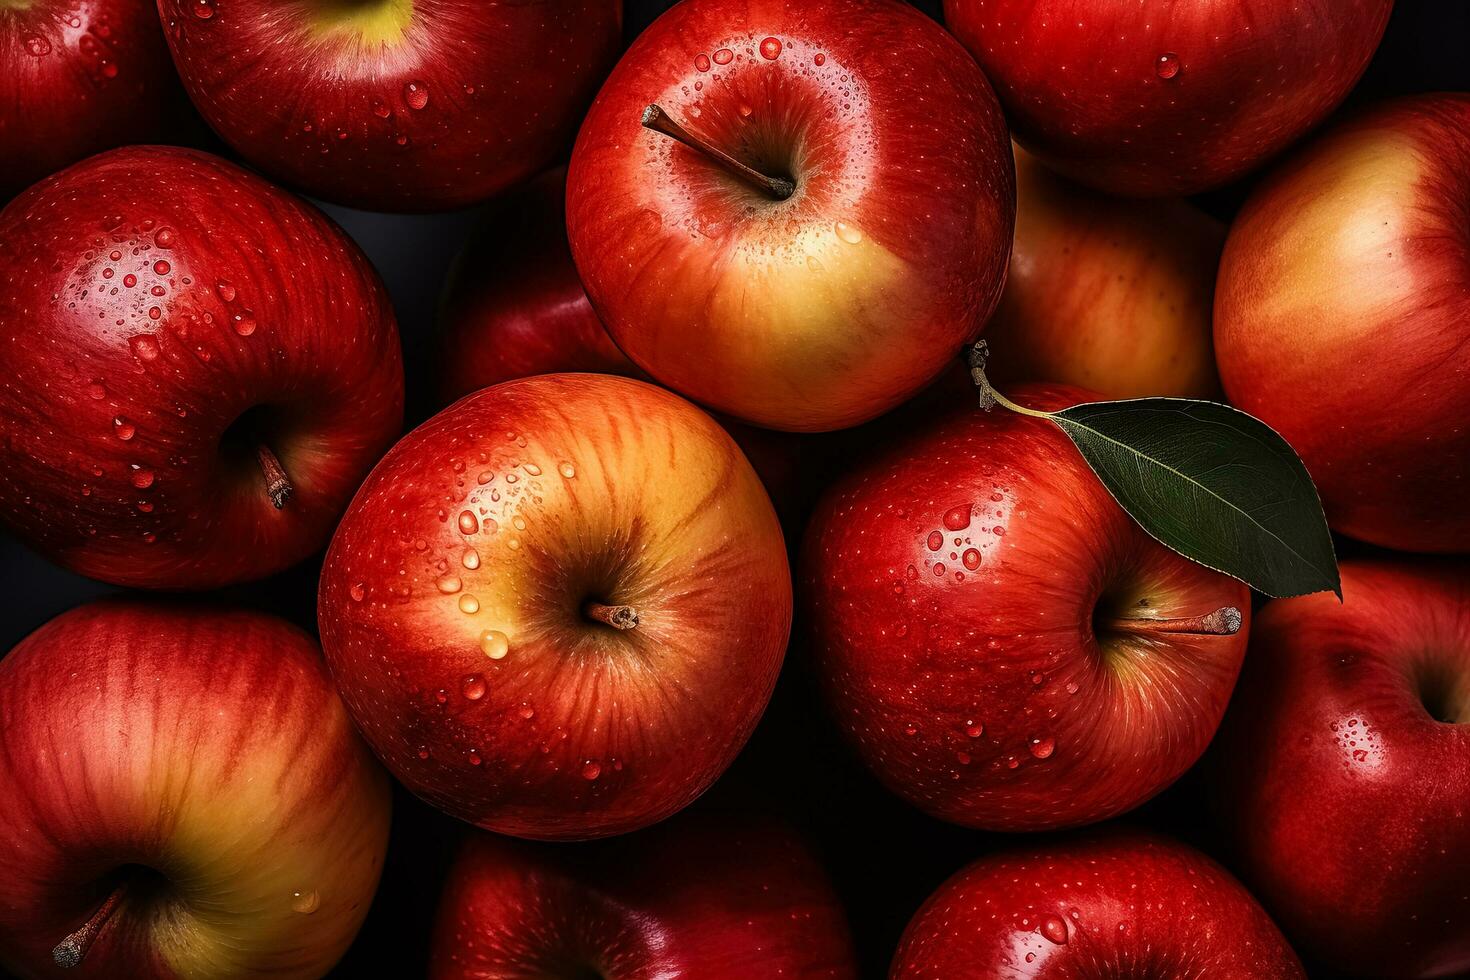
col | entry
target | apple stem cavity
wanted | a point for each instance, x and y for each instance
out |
(656, 119)
(277, 484)
(69, 953)
(1224, 621)
(618, 617)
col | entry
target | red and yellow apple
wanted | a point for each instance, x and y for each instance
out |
(558, 608)
(865, 242)
(198, 369)
(184, 796)
(1004, 646)
(1342, 318)
(1107, 294)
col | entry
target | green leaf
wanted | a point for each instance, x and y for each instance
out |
(1214, 484)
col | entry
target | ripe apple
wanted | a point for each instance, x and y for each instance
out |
(1342, 316)
(1005, 647)
(391, 105)
(78, 76)
(1106, 294)
(513, 305)
(197, 369)
(1144, 905)
(793, 211)
(1163, 98)
(557, 608)
(1345, 769)
(716, 899)
(185, 796)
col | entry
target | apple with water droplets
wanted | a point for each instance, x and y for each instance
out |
(1120, 904)
(196, 370)
(733, 897)
(1158, 98)
(793, 211)
(557, 609)
(1001, 642)
(1342, 769)
(76, 78)
(184, 796)
(394, 105)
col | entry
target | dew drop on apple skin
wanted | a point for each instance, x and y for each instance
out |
(724, 56)
(591, 769)
(1042, 748)
(305, 902)
(449, 584)
(848, 233)
(567, 470)
(416, 94)
(470, 559)
(770, 49)
(469, 605)
(495, 645)
(1167, 65)
(356, 592)
(472, 687)
(1054, 930)
(468, 523)
(701, 62)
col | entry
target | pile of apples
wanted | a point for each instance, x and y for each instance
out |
(711, 332)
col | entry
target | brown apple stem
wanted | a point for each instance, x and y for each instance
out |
(656, 119)
(1224, 621)
(618, 617)
(277, 484)
(69, 952)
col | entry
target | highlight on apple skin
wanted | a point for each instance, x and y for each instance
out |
(1117, 904)
(558, 608)
(394, 105)
(717, 898)
(1150, 98)
(829, 305)
(1003, 645)
(196, 370)
(1342, 771)
(1342, 315)
(184, 796)
(77, 78)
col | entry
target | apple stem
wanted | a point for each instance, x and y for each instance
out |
(975, 356)
(656, 119)
(277, 484)
(69, 952)
(1224, 621)
(618, 617)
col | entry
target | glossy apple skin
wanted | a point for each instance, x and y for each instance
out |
(513, 305)
(717, 899)
(76, 77)
(833, 306)
(119, 378)
(951, 584)
(1146, 99)
(398, 106)
(206, 746)
(1344, 767)
(1121, 904)
(1107, 294)
(470, 526)
(1342, 315)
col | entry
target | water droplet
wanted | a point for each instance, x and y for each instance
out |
(123, 429)
(936, 540)
(1042, 748)
(162, 268)
(701, 62)
(470, 559)
(468, 523)
(474, 758)
(469, 605)
(38, 45)
(938, 568)
(154, 312)
(305, 902)
(244, 322)
(532, 469)
(958, 518)
(356, 592)
(142, 479)
(1072, 687)
(96, 391)
(724, 56)
(380, 109)
(770, 49)
(145, 346)
(164, 238)
(591, 769)
(819, 60)
(848, 233)
(526, 711)
(130, 280)
(225, 290)
(495, 645)
(567, 470)
(204, 9)
(485, 477)
(1167, 65)
(449, 584)
(416, 94)
(423, 751)
(472, 687)
(971, 558)
(974, 729)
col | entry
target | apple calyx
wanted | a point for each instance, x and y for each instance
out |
(70, 952)
(656, 119)
(277, 484)
(618, 617)
(1225, 621)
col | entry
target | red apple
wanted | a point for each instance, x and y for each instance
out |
(184, 796)
(1107, 294)
(1005, 647)
(198, 369)
(1345, 765)
(1342, 317)
(78, 76)
(557, 609)
(1115, 905)
(394, 105)
(513, 305)
(706, 899)
(1163, 98)
(867, 244)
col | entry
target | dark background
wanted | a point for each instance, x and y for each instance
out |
(884, 856)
